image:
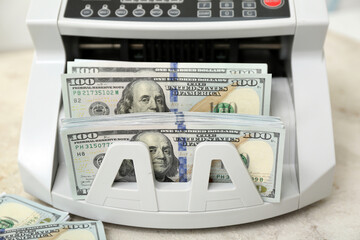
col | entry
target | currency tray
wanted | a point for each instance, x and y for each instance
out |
(148, 203)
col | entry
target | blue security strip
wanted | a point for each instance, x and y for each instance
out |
(174, 67)
(173, 95)
(173, 77)
(182, 169)
(180, 122)
(182, 144)
(2, 230)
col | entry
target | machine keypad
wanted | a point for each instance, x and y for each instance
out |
(177, 10)
(226, 13)
(174, 11)
(204, 5)
(226, 5)
(139, 11)
(249, 5)
(249, 13)
(122, 11)
(151, 1)
(204, 13)
(87, 11)
(272, 4)
(156, 11)
(104, 11)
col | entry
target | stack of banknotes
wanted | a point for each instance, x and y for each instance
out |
(171, 107)
(23, 219)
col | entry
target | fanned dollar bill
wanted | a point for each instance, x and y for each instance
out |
(96, 66)
(87, 230)
(172, 140)
(86, 95)
(16, 212)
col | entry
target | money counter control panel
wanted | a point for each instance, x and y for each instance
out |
(177, 10)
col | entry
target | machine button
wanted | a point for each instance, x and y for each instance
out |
(104, 11)
(122, 11)
(156, 11)
(249, 5)
(204, 5)
(204, 13)
(226, 13)
(174, 11)
(249, 13)
(139, 11)
(226, 5)
(87, 11)
(273, 3)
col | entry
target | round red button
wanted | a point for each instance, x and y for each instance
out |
(273, 3)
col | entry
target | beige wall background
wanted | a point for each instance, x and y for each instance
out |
(13, 32)
(347, 4)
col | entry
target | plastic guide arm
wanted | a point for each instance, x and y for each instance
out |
(144, 195)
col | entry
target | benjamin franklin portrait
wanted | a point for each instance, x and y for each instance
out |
(142, 96)
(165, 164)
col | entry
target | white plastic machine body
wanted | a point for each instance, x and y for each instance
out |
(299, 96)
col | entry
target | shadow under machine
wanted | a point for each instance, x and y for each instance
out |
(288, 35)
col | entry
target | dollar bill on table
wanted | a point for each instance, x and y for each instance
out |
(96, 66)
(16, 212)
(87, 230)
(172, 139)
(86, 95)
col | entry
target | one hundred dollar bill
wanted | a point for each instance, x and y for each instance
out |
(87, 230)
(95, 66)
(172, 146)
(86, 95)
(16, 212)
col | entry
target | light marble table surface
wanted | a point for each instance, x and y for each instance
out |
(337, 217)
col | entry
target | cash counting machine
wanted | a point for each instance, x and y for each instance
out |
(288, 35)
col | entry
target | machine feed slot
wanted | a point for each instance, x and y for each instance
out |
(271, 50)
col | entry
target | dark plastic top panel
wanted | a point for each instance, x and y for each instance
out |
(177, 10)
